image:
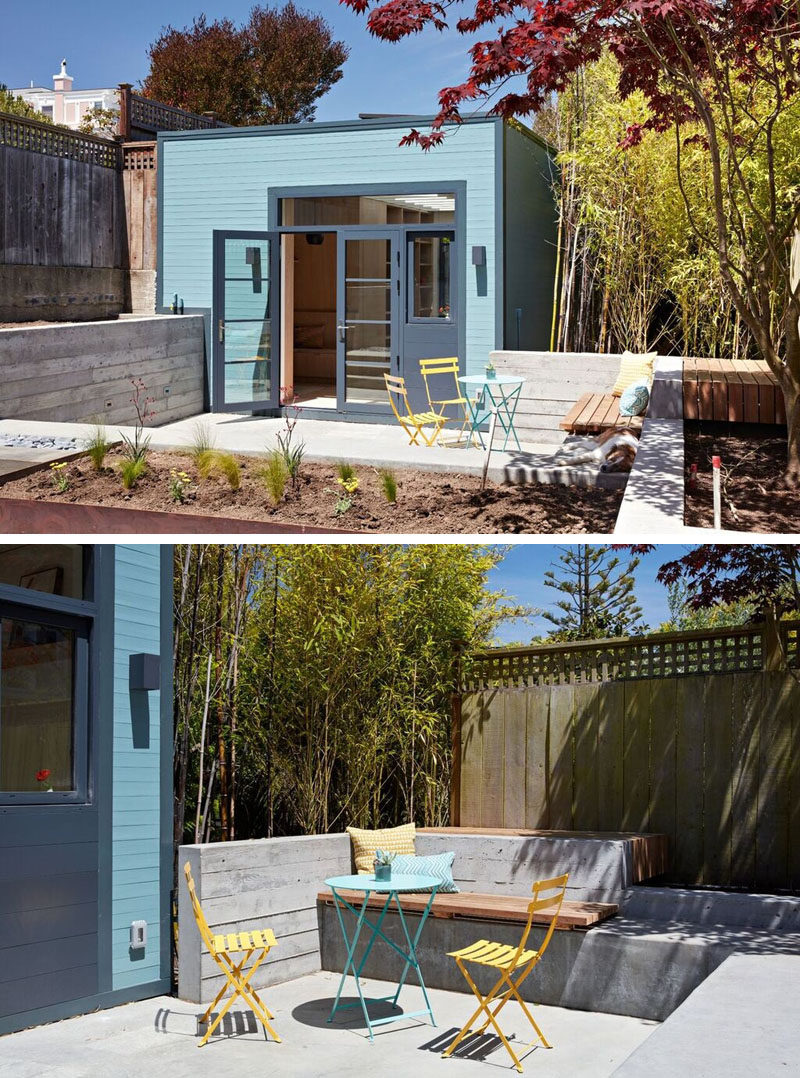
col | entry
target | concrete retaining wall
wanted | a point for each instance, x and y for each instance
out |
(51, 293)
(78, 372)
(628, 965)
(600, 870)
(554, 381)
(271, 883)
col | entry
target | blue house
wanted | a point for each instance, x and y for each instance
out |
(325, 255)
(85, 778)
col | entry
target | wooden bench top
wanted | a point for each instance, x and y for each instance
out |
(573, 915)
(595, 412)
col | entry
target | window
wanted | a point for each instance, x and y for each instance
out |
(47, 110)
(53, 569)
(426, 209)
(45, 621)
(430, 264)
(37, 706)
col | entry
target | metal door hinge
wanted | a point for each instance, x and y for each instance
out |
(221, 330)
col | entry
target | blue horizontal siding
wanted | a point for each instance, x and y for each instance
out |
(223, 183)
(136, 874)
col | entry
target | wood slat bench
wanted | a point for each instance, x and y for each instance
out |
(721, 390)
(596, 412)
(573, 915)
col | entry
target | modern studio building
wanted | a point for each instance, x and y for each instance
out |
(85, 778)
(325, 255)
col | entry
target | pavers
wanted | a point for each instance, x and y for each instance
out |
(158, 1037)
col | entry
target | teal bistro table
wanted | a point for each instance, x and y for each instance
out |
(392, 889)
(486, 395)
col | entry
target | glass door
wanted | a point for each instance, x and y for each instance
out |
(245, 331)
(367, 306)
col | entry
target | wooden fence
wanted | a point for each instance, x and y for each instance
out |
(141, 117)
(704, 748)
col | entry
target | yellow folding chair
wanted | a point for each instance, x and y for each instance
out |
(411, 422)
(508, 960)
(258, 942)
(433, 368)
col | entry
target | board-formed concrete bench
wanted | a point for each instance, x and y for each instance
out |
(486, 907)
(596, 412)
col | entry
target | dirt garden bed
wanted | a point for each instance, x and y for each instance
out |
(429, 502)
(753, 461)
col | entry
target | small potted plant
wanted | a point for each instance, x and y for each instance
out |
(490, 371)
(383, 865)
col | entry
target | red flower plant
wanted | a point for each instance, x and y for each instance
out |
(43, 775)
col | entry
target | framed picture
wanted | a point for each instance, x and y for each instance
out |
(50, 581)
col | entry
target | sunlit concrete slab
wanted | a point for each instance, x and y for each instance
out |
(160, 1037)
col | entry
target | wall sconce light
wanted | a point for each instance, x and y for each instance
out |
(478, 256)
(145, 672)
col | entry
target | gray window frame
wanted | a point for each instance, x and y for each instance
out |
(77, 615)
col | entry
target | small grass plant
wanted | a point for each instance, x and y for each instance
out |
(227, 465)
(275, 475)
(97, 446)
(345, 471)
(132, 469)
(59, 476)
(203, 441)
(388, 485)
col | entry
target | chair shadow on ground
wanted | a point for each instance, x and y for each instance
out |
(476, 1046)
(236, 1023)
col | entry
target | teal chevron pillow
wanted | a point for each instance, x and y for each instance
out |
(634, 399)
(439, 865)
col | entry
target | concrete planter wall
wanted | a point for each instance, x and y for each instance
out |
(554, 381)
(78, 372)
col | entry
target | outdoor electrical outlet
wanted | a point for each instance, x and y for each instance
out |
(109, 404)
(138, 935)
(167, 390)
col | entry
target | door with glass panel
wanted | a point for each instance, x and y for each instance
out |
(245, 330)
(367, 318)
(431, 324)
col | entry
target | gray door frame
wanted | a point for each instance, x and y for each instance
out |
(218, 402)
(377, 412)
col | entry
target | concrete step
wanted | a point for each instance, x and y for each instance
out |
(770, 913)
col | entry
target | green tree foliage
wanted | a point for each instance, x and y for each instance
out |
(597, 599)
(17, 106)
(270, 70)
(634, 275)
(100, 121)
(313, 682)
(683, 617)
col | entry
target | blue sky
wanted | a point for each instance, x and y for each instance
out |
(106, 44)
(521, 574)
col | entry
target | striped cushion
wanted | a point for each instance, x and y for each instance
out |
(439, 865)
(390, 839)
(633, 369)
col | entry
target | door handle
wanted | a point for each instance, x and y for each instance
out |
(221, 330)
(342, 328)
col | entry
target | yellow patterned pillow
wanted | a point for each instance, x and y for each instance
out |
(365, 843)
(633, 369)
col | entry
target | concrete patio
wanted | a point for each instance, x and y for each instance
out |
(159, 1037)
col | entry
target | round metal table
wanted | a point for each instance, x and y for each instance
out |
(392, 889)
